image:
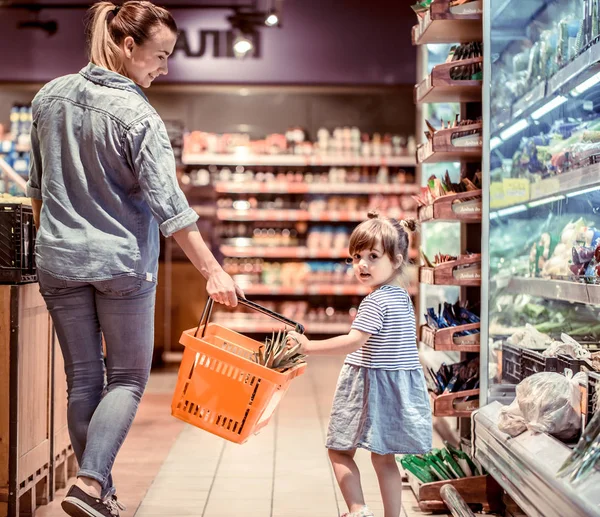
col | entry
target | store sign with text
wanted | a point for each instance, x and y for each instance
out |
(215, 43)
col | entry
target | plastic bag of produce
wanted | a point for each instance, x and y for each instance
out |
(546, 402)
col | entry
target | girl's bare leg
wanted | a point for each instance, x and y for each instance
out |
(390, 483)
(348, 478)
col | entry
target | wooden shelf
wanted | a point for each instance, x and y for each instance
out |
(447, 145)
(444, 405)
(565, 290)
(275, 187)
(231, 214)
(439, 87)
(452, 208)
(449, 274)
(441, 25)
(445, 339)
(292, 160)
(477, 490)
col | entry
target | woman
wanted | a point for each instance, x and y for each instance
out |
(102, 184)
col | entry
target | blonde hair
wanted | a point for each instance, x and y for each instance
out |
(392, 234)
(109, 25)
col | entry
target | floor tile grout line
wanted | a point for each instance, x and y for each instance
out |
(275, 435)
(324, 437)
(214, 478)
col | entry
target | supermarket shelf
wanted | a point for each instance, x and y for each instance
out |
(439, 25)
(447, 209)
(465, 271)
(230, 214)
(568, 183)
(555, 289)
(446, 146)
(526, 466)
(260, 325)
(444, 405)
(255, 187)
(291, 160)
(315, 290)
(13, 176)
(299, 252)
(444, 339)
(439, 87)
(563, 81)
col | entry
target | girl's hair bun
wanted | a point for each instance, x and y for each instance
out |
(409, 224)
(373, 214)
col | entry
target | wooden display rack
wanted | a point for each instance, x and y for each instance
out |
(444, 274)
(445, 339)
(443, 405)
(452, 208)
(439, 87)
(440, 25)
(476, 490)
(442, 146)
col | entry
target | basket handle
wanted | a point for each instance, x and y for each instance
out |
(253, 305)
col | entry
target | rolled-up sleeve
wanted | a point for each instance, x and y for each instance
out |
(34, 189)
(151, 157)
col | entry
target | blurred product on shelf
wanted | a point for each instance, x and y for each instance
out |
(451, 315)
(342, 141)
(458, 138)
(335, 175)
(553, 40)
(16, 143)
(422, 7)
(437, 188)
(439, 465)
(470, 72)
(455, 378)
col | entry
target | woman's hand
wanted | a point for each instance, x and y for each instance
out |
(293, 338)
(222, 289)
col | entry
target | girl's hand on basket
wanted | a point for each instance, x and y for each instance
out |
(293, 339)
(222, 289)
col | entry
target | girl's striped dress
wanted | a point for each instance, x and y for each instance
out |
(381, 402)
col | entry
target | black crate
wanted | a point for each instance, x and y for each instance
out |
(511, 363)
(593, 394)
(565, 362)
(533, 361)
(17, 244)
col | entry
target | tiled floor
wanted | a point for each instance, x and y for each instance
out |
(282, 472)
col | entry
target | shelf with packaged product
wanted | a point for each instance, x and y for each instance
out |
(445, 22)
(231, 214)
(299, 252)
(460, 143)
(564, 290)
(439, 86)
(463, 207)
(284, 187)
(446, 339)
(464, 271)
(292, 160)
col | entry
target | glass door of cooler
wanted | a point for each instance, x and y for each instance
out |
(541, 218)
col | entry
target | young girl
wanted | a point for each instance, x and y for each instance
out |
(381, 402)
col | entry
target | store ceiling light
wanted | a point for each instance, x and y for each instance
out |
(584, 191)
(514, 129)
(586, 85)
(545, 201)
(242, 45)
(548, 107)
(272, 20)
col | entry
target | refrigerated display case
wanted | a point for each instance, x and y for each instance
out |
(541, 260)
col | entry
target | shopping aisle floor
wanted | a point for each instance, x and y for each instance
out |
(170, 469)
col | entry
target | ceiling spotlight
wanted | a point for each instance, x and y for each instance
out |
(242, 45)
(272, 20)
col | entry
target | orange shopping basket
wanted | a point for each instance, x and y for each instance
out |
(220, 388)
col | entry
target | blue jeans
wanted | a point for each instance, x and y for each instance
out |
(100, 412)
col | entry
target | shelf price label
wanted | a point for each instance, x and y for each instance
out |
(497, 195)
(516, 190)
(545, 188)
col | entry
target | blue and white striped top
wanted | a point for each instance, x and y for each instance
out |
(388, 315)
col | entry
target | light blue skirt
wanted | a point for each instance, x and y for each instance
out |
(383, 411)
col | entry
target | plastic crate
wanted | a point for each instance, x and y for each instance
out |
(17, 244)
(533, 361)
(511, 363)
(593, 394)
(566, 362)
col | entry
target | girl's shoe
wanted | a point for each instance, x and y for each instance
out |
(363, 512)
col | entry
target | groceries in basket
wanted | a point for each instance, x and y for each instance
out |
(277, 355)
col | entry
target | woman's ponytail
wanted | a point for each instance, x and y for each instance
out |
(103, 50)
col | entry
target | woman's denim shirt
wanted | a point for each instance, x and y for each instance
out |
(104, 168)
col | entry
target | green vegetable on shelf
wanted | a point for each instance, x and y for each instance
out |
(449, 460)
(463, 460)
(422, 475)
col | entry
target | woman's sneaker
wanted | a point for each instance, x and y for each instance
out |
(79, 504)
